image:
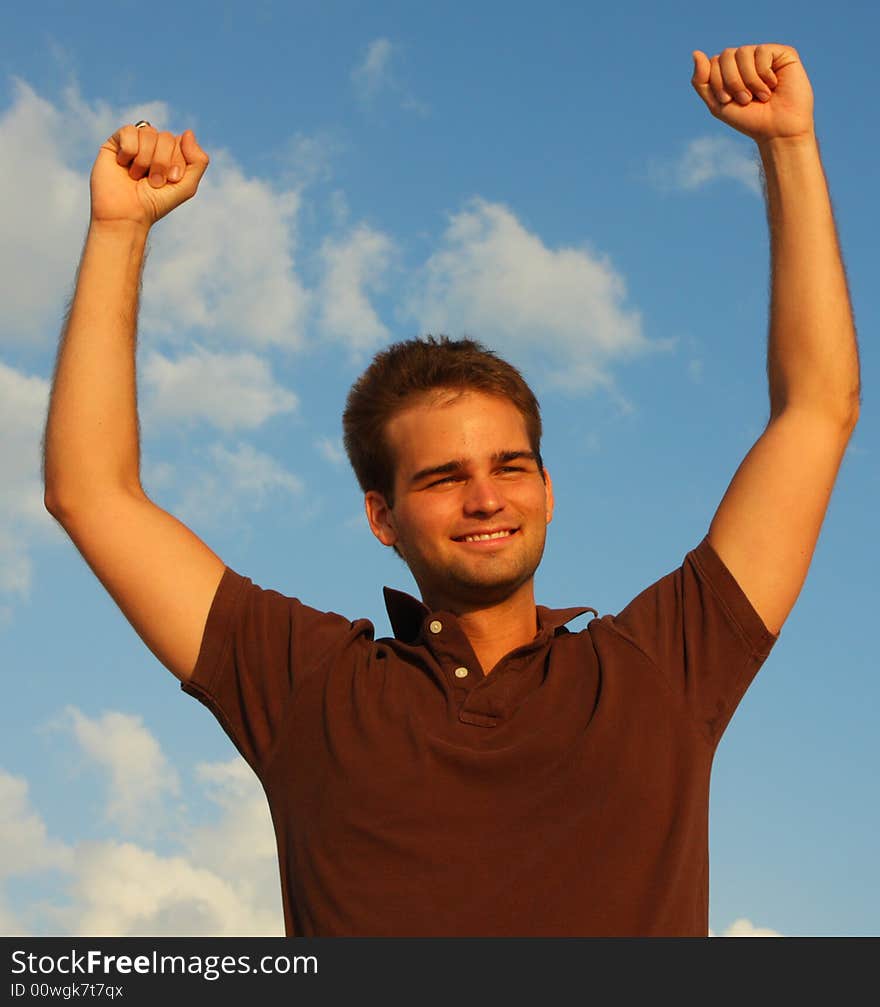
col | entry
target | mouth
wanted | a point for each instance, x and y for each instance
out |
(498, 535)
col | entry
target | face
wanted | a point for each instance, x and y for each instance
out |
(471, 507)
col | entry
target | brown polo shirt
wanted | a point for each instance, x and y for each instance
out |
(564, 794)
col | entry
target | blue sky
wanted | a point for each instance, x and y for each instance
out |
(539, 176)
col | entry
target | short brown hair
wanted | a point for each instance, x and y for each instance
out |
(414, 367)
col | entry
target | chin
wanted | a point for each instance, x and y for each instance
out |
(484, 583)
(483, 588)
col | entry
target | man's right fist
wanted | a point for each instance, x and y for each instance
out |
(141, 174)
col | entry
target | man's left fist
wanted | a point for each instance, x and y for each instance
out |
(761, 90)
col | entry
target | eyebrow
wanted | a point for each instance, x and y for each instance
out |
(457, 464)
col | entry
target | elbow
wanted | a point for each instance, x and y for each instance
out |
(53, 503)
(840, 412)
(50, 503)
(837, 399)
(854, 408)
(847, 418)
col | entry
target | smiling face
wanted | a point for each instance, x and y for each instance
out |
(471, 507)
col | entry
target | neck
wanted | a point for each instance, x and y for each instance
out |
(495, 630)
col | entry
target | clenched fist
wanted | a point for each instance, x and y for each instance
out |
(141, 174)
(761, 90)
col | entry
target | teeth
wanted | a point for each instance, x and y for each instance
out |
(485, 538)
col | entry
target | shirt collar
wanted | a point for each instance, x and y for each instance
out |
(407, 615)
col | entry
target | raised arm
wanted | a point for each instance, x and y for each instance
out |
(768, 523)
(159, 573)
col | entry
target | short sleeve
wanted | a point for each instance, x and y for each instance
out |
(701, 632)
(256, 644)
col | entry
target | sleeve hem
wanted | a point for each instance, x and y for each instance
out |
(743, 614)
(216, 637)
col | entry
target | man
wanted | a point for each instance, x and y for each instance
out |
(484, 771)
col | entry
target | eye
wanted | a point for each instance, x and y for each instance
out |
(444, 480)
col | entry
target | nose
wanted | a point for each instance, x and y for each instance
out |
(483, 496)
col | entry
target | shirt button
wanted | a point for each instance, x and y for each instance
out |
(461, 672)
(435, 626)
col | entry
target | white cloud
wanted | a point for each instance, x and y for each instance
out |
(24, 399)
(353, 266)
(219, 879)
(332, 450)
(24, 520)
(25, 846)
(493, 279)
(122, 889)
(373, 72)
(139, 777)
(254, 472)
(231, 391)
(156, 476)
(247, 848)
(38, 253)
(88, 125)
(224, 261)
(337, 205)
(16, 570)
(242, 478)
(709, 159)
(309, 158)
(743, 927)
(373, 76)
(10, 924)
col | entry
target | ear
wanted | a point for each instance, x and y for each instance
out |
(548, 483)
(380, 517)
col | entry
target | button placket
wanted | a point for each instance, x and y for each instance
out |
(449, 645)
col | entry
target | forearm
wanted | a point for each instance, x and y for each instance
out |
(91, 437)
(812, 355)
